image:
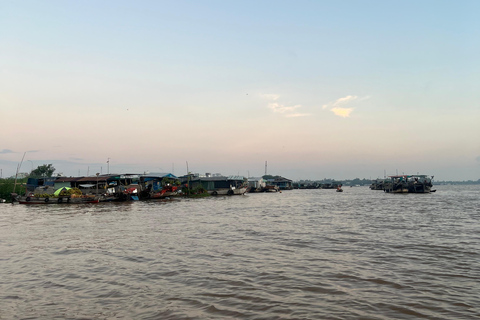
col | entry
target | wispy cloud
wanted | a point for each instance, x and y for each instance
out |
(280, 108)
(296, 115)
(287, 111)
(5, 151)
(338, 106)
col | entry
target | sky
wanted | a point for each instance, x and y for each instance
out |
(317, 89)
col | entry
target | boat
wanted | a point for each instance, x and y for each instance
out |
(420, 184)
(48, 195)
(57, 200)
(408, 184)
(271, 188)
(378, 184)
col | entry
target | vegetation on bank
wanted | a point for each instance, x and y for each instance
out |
(7, 187)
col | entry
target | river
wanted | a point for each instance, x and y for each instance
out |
(299, 254)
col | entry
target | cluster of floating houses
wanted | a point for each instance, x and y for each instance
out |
(131, 187)
(126, 187)
(404, 184)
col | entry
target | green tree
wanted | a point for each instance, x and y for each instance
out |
(7, 186)
(45, 170)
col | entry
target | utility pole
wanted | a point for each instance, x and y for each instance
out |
(108, 166)
(265, 167)
(97, 184)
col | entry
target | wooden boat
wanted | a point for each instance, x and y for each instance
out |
(59, 200)
(271, 188)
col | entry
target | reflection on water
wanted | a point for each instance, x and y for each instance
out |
(301, 254)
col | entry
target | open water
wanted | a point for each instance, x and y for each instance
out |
(300, 254)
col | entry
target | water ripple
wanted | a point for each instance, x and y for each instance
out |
(301, 254)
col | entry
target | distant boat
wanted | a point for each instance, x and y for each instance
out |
(409, 184)
(339, 189)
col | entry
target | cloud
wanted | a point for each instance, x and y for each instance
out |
(342, 112)
(5, 151)
(344, 100)
(287, 111)
(295, 115)
(338, 106)
(280, 108)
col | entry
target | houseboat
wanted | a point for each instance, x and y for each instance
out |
(256, 184)
(408, 184)
(159, 186)
(217, 185)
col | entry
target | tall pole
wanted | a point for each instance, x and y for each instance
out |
(16, 174)
(265, 167)
(108, 166)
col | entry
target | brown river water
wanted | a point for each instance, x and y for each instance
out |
(300, 254)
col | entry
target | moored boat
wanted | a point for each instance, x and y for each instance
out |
(57, 200)
(271, 188)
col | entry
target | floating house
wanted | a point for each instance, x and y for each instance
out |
(281, 183)
(217, 185)
(256, 184)
(159, 185)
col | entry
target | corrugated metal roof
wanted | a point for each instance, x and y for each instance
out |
(236, 177)
(93, 179)
(160, 175)
(67, 179)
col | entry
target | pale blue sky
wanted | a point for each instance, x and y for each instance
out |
(319, 89)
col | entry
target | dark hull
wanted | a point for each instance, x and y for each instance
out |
(62, 200)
